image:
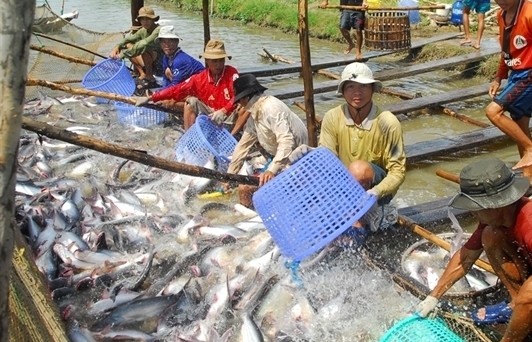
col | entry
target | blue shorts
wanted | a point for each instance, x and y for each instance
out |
(516, 97)
(352, 19)
(377, 178)
(480, 7)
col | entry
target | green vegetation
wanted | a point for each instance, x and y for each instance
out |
(283, 15)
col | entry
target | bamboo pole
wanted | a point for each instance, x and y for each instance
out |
(206, 22)
(447, 175)
(269, 55)
(17, 18)
(68, 44)
(109, 96)
(136, 5)
(134, 155)
(403, 8)
(63, 56)
(306, 72)
(438, 241)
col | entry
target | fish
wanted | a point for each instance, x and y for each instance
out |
(198, 185)
(135, 311)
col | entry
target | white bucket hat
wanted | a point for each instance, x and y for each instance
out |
(168, 33)
(360, 73)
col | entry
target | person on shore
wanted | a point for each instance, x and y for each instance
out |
(272, 125)
(208, 92)
(177, 64)
(515, 37)
(351, 19)
(494, 195)
(368, 141)
(141, 48)
(481, 7)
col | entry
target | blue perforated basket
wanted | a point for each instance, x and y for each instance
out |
(418, 329)
(311, 203)
(139, 116)
(110, 76)
(203, 140)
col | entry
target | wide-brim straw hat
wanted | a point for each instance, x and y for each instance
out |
(214, 49)
(359, 73)
(489, 184)
(245, 85)
(167, 32)
(147, 12)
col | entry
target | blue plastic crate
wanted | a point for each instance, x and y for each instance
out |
(203, 140)
(110, 76)
(418, 329)
(311, 203)
(139, 116)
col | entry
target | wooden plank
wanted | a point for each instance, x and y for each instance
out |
(386, 75)
(438, 99)
(283, 69)
(401, 72)
(437, 147)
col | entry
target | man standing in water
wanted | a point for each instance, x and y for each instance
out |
(515, 35)
(350, 19)
(141, 48)
(495, 196)
(481, 7)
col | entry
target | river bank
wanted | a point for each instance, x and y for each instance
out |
(282, 15)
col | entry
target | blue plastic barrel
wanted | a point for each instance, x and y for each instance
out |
(413, 15)
(457, 12)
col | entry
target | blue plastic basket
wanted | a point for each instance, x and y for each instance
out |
(139, 116)
(203, 140)
(311, 203)
(110, 76)
(418, 329)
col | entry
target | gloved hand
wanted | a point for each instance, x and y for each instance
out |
(299, 152)
(372, 193)
(141, 100)
(426, 306)
(218, 117)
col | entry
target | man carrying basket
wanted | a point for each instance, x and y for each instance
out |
(272, 125)
(368, 141)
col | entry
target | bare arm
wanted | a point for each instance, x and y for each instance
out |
(458, 266)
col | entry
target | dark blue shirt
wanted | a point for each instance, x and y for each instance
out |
(182, 66)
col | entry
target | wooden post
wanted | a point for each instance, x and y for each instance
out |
(135, 6)
(306, 72)
(206, 23)
(17, 18)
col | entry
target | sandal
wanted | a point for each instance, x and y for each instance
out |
(498, 313)
(144, 84)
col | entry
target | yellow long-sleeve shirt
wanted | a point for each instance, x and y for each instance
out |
(379, 140)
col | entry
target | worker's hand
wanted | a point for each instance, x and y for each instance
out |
(364, 4)
(141, 100)
(426, 306)
(372, 192)
(218, 117)
(115, 53)
(494, 87)
(299, 152)
(323, 4)
(265, 177)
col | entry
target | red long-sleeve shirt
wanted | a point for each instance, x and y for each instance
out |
(215, 95)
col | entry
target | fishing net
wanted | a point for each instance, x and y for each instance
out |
(466, 329)
(33, 316)
(45, 66)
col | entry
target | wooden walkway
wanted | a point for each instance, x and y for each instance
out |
(438, 99)
(386, 75)
(288, 69)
